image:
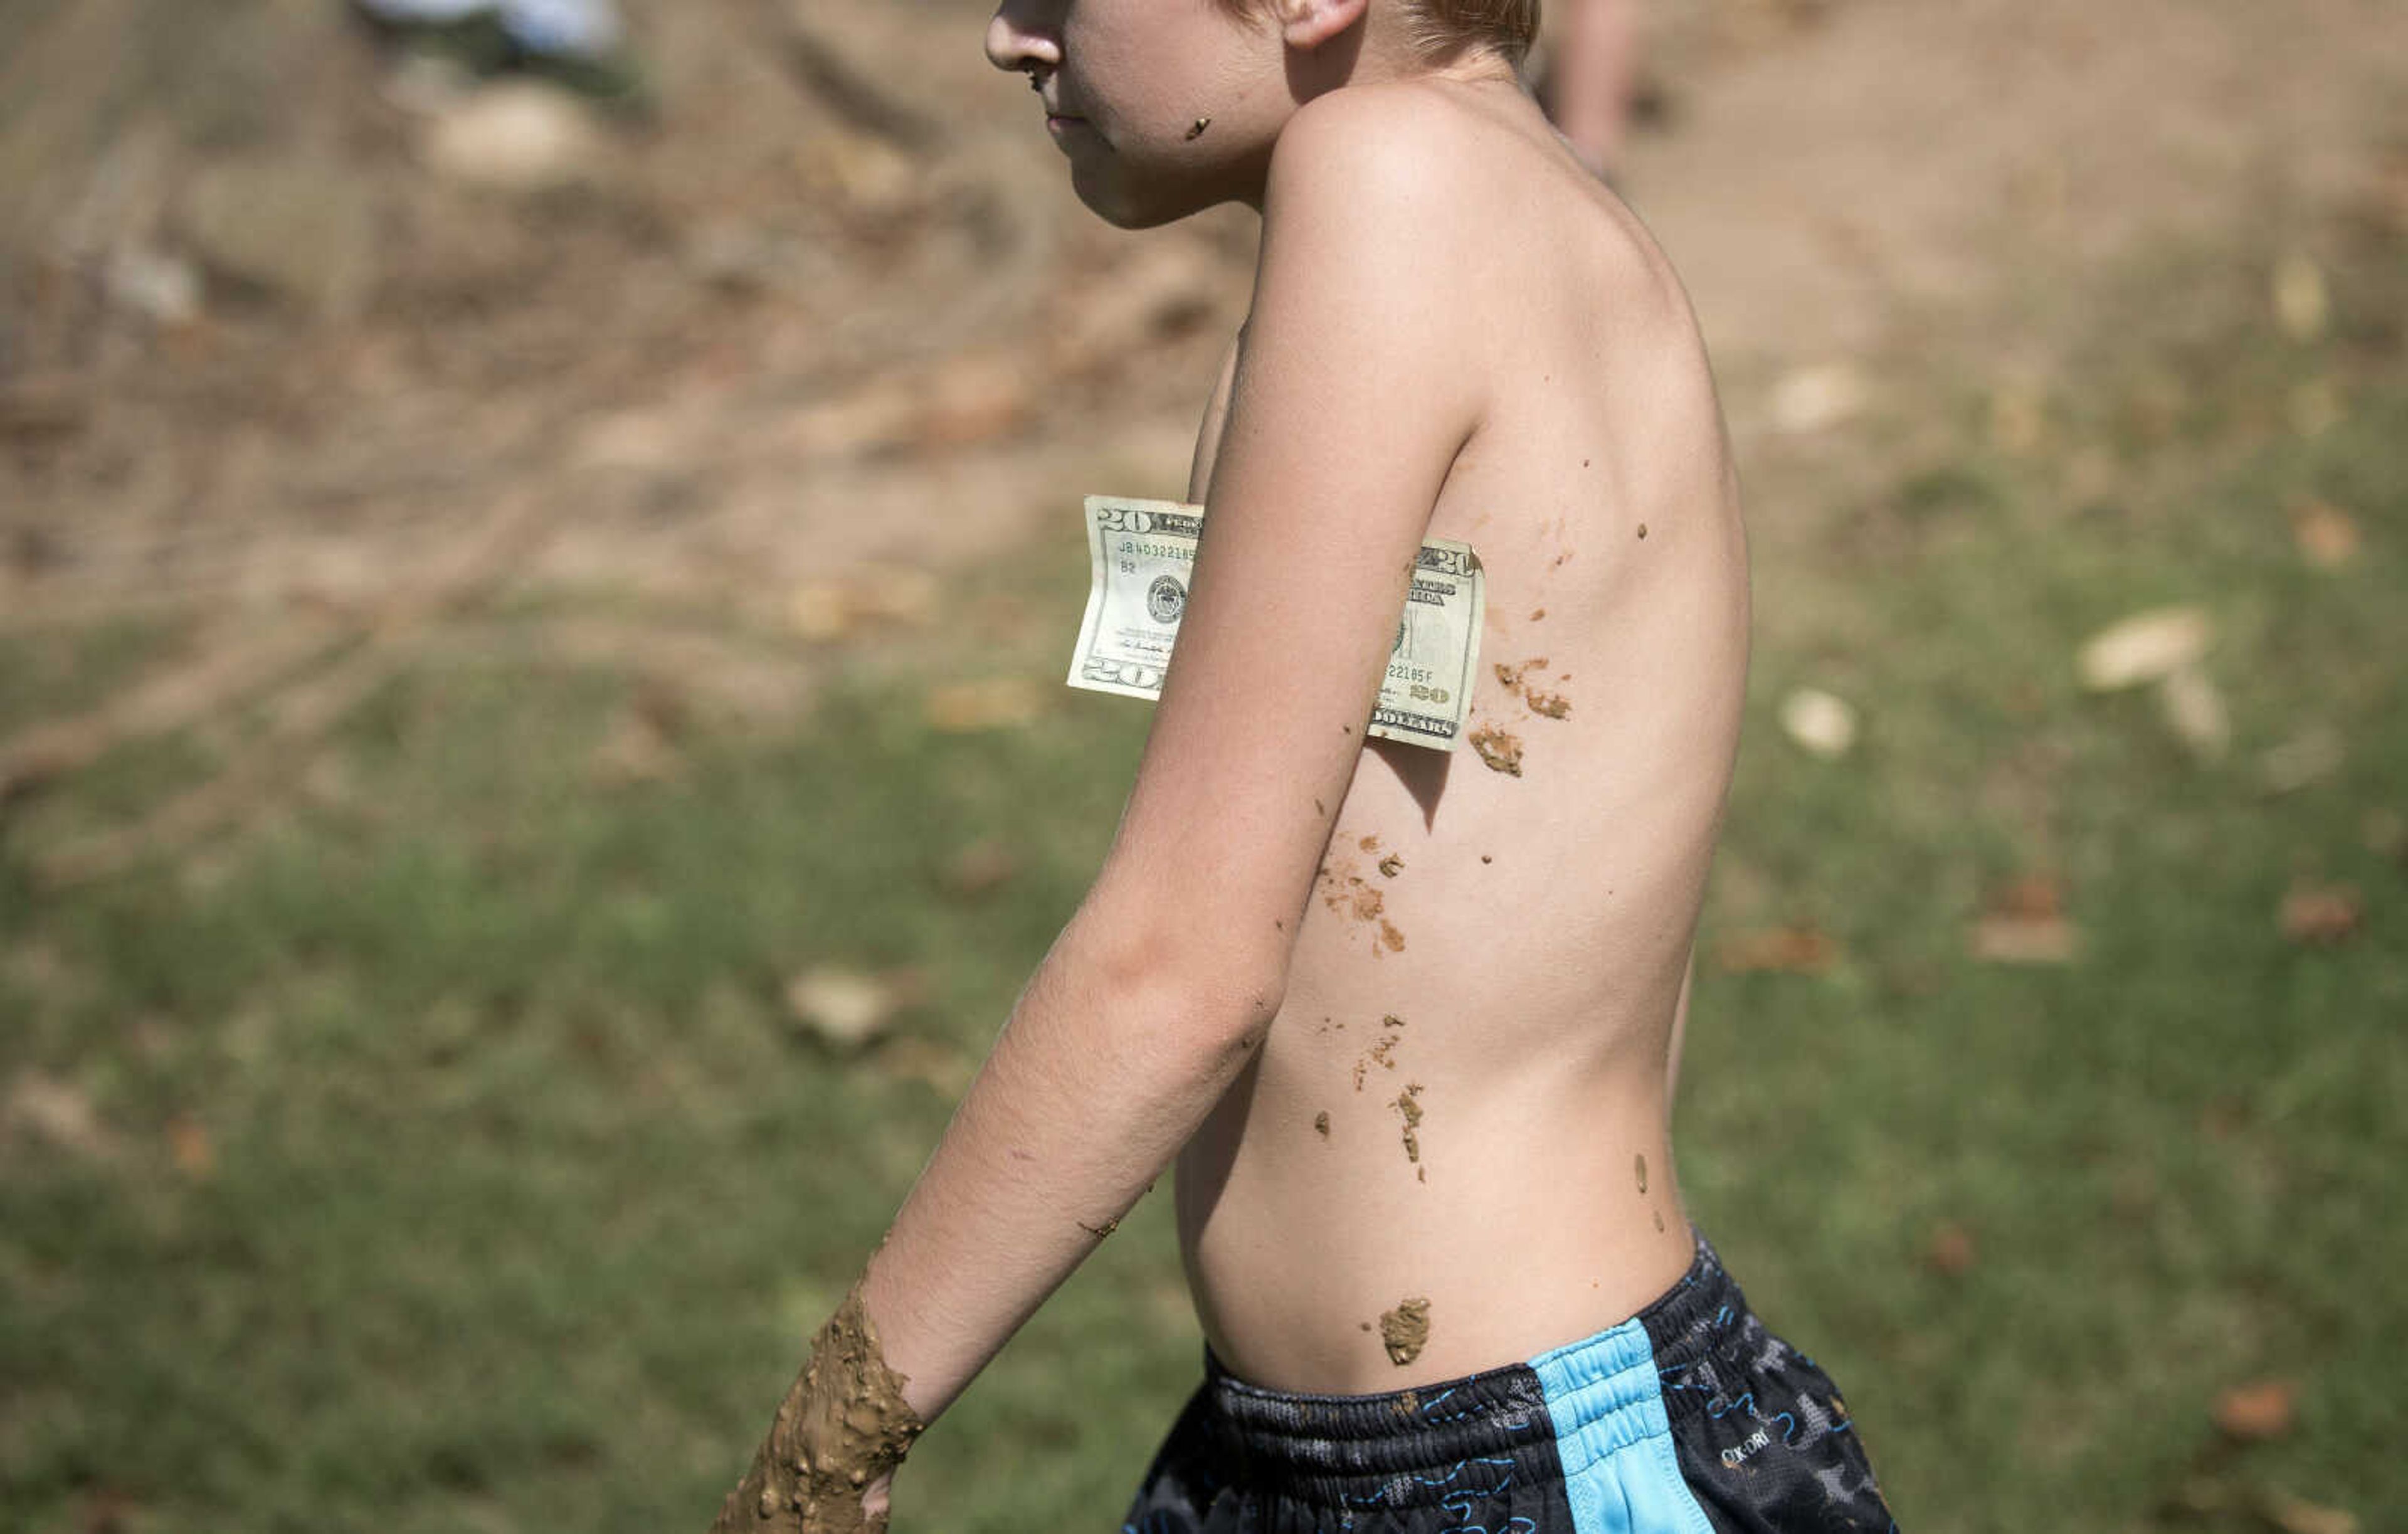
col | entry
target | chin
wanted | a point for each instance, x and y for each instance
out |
(1123, 207)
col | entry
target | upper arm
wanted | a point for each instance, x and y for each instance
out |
(1349, 402)
(1216, 416)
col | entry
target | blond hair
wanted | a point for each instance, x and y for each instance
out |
(1441, 29)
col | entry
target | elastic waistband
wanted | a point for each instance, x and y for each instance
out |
(1416, 1446)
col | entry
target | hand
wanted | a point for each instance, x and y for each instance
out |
(755, 1508)
(828, 1463)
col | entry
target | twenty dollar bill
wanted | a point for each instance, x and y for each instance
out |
(1142, 556)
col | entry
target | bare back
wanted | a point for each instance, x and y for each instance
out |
(1465, 1096)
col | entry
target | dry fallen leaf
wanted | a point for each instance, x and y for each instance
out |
(1814, 399)
(55, 1110)
(2018, 417)
(2309, 757)
(2143, 647)
(1781, 949)
(2017, 940)
(516, 136)
(190, 1147)
(877, 594)
(2035, 897)
(2326, 535)
(2321, 915)
(1821, 724)
(2303, 305)
(941, 1067)
(2194, 707)
(847, 1007)
(981, 868)
(2256, 1411)
(1950, 1250)
(2297, 1515)
(635, 750)
(2023, 922)
(872, 177)
(993, 702)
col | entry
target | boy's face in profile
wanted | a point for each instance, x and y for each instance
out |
(1125, 85)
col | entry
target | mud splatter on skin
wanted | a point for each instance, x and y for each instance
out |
(843, 1425)
(1380, 1054)
(1642, 529)
(1369, 844)
(1639, 1165)
(1536, 614)
(1517, 681)
(1409, 1104)
(1321, 1124)
(1499, 750)
(1390, 866)
(1405, 1330)
(1347, 893)
(1660, 1219)
(1099, 1232)
(1487, 858)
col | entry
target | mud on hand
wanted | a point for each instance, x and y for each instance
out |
(842, 1427)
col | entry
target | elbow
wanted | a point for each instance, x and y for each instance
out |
(1197, 985)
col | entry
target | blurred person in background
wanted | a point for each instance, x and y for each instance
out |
(581, 43)
(1591, 80)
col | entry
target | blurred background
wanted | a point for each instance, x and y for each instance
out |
(534, 571)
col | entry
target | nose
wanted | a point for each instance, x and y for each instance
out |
(1022, 38)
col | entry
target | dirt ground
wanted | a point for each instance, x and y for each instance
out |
(300, 346)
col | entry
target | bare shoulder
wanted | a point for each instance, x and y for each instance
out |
(1465, 187)
(1376, 152)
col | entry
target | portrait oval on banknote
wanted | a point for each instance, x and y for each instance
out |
(1165, 599)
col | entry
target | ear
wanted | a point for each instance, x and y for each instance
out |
(1309, 23)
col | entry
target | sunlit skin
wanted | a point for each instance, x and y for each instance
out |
(1457, 332)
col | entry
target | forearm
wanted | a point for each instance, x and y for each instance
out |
(1097, 1080)
(1109, 1062)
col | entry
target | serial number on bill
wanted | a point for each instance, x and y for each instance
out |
(1157, 550)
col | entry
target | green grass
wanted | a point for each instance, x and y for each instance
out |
(521, 1189)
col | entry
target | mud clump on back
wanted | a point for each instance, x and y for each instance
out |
(1321, 1124)
(1347, 893)
(1409, 1104)
(843, 1425)
(1499, 752)
(1516, 679)
(1381, 1054)
(1405, 1330)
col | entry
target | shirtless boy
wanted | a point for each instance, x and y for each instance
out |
(1406, 1022)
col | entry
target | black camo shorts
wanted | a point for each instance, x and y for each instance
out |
(1690, 1418)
